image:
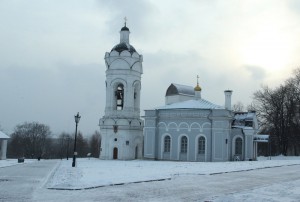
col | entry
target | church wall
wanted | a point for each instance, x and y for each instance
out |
(149, 140)
(3, 149)
(192, 124)
(150, 145)
(191, 127)
(125, 141)
(249, 143)
(176, 135)
(236, 132)
(221, 130)
(247, 136)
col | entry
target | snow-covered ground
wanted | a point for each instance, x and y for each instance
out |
(90, 173)
(12, 162)
(94, 180)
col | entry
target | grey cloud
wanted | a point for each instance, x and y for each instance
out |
(52, 96)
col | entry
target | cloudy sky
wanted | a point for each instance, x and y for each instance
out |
(51, 53)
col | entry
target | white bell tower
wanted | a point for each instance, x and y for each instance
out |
(121, 127)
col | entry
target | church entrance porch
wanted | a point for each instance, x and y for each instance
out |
(115, 153)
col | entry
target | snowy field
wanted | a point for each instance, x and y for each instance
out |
(13, 162)
(140, 179)
(91, 173)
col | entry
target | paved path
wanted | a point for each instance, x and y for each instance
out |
(181, 188)
(18, 182)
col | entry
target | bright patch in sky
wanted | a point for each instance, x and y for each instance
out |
(268, 48)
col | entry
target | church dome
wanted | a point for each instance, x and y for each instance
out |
(197, 88)
(125, 28)
(123, 46)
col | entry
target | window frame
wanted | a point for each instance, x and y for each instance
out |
(201, 145)
(183, 144)
(167, 144)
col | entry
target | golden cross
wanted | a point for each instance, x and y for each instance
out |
(197, 79)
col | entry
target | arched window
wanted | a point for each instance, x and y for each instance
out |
(167, 144)
(120, 96)
(184, 142)
(238, 146)
(201, 145)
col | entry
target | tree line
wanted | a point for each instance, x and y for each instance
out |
(35, 140)
(278, 112)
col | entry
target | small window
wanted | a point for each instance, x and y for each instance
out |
(201, 145)
(184, 145)
(115, 128)
(167, 144)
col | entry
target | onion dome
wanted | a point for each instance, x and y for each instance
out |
(197, 88)
(125, 28)
(123, 46)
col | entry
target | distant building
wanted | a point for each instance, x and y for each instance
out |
(190, 128)
(3, 145)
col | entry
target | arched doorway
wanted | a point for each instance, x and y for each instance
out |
(238, 149)
(115, 154)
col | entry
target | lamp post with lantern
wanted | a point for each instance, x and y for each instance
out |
(77, 118)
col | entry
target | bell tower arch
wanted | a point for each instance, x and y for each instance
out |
(121, 125)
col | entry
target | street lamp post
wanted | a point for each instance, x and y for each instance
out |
(77, 118)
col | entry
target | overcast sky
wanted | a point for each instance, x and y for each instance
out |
(51, 53)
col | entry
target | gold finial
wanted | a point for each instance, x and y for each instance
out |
(197, 88)
(125, 20)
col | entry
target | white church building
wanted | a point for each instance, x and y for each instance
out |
(190, 128)
(186, 128)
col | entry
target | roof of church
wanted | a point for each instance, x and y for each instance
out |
(125, 28)
(243, 119)
(178, 89)
(3, 136)
(244, 115)
(192, 104)
(123, 46)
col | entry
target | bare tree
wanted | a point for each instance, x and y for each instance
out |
(278, 112)
(30, 140)
(82, 146)
(95, 143)
(238, 107)
(64, 149)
